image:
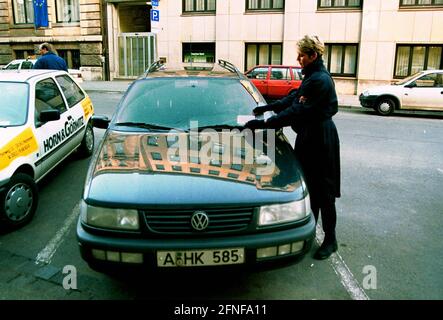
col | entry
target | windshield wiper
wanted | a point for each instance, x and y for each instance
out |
(148, 126)
(218, 127)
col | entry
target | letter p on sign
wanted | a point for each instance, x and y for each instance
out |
(155, 15)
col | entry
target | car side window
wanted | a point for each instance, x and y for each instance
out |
(48, 97)
(13, 66)
(71, 90)
(27, 65)
(280, 74)
(259, 73)
(429, 81)
(297, 74)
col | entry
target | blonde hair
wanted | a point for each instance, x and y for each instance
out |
(310, 44)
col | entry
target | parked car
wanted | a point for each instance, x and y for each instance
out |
(421, 91)
(44, 117)
(275, 81)
(169, 187)
(21, 64)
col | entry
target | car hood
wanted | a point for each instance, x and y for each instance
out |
(9, 133)
(164, 169)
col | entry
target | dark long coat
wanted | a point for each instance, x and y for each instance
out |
(317, 145)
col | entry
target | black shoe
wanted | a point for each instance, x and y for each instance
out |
(325, 250)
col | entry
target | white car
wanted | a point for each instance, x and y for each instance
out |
(421, 91)
(22, 64)
(44, 117)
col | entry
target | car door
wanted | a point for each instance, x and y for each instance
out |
(53, 136)
(279, 84)
(80, 106)
(424, 93)
(259, 77)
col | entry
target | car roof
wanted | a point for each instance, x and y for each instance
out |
(191, 73)
(24, 75)
(432, 71)
(276, 65)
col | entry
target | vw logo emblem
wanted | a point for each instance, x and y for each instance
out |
(199, 220)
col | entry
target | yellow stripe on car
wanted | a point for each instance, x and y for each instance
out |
(88, 109)
(22, 145)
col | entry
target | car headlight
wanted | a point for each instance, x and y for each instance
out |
(285, 212)
(122, 219)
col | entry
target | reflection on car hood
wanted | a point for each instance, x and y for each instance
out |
(193, 168)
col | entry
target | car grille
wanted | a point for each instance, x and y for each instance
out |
(179, 221)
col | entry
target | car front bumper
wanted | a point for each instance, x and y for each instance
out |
(368, 101)
(148, 248)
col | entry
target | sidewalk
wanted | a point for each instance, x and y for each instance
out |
(120, 86)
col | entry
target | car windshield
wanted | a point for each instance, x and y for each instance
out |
(407, 79)
(180, 102)
(14, 105)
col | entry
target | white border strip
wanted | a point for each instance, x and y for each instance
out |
(45, 256)
(341, 269)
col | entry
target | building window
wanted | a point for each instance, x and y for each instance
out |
(341, 59)
(68, 10)
(24, 54)
(199, 52)
(420, 3)
(263, 54)
(23, 11)
(328, 4)
(411, 59)
(274, 5)
(193, 6)
(72, 57)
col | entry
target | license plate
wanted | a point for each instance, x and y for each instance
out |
(200, 258)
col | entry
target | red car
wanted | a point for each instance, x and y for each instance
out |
(275, 81)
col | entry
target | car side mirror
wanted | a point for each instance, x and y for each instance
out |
(411, 85)
(49, 115)
(101, 122)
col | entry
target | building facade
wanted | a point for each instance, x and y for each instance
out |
(74, 28)
(368, 42)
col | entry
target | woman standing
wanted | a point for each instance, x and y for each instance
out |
(309, 111)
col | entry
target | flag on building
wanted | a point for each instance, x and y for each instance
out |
(41, 13)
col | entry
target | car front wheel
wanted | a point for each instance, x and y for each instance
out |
(18, 201)
(385, 106)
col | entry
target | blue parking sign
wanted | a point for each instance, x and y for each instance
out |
(154, 3)
(155, 15)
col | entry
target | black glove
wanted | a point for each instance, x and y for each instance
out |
(260, 110)
(255, 124)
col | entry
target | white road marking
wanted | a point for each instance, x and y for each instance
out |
(45, 256)
(440, 170)
(341, 269)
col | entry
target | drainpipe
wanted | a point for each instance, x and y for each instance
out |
(105, 43)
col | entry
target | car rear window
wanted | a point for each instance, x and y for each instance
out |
(175, 102)
(14, 106)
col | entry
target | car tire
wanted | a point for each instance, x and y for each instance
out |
(385, 106)
(18, 201)
(86, 147)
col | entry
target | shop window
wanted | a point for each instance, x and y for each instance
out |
(23, 11)
(344, 4)
(67, 10)
(72, 57)
(410, 59)
(341, 59)
(271, 5)
(263, 54)
(199, 52)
